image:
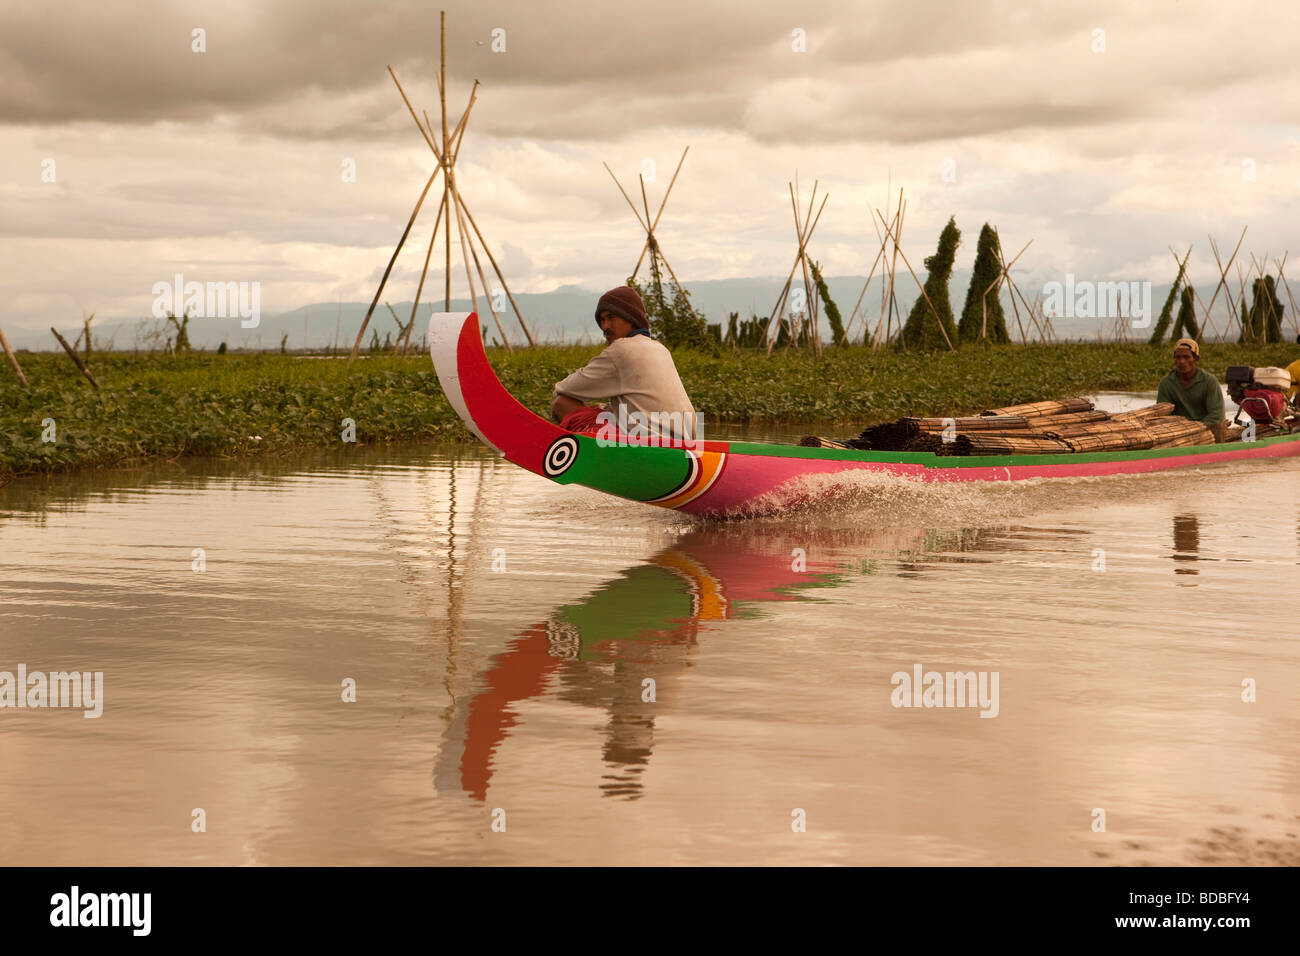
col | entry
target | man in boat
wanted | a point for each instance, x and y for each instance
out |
(1194, 392)
(646, 398)
(1294, 369)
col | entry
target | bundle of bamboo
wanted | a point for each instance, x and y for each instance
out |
(896, 435)
(1075, 429)
(1047, 422)
(1175, 431)
(982, 423)
(1060, 427)
(817, 441)
(1035, 409)
(983, 443)
(1110, 426)
(1136, 435)
(1235, 432)
(1133, 439)
(1147, 411)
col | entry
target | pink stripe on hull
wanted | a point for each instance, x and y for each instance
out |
(747, 477)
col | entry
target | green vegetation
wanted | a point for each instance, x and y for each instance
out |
(1167, 311)
(832, 310)
(923, 328)
(1186, 324)
(1263, 323)
(979, 296)
(673, 320)
(163, 407)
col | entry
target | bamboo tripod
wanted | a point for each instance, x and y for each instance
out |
(886, 282)
(452, 202)
(1208, 325)
(798, 319)
(651, 244)
(1044, 328)
(898, 251)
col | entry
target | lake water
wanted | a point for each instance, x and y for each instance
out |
(545, 674)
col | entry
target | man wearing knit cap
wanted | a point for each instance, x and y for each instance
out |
(635, 373)
(1194, 393)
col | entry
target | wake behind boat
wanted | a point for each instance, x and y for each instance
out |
(721, 478)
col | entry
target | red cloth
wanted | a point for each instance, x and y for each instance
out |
(582, 420)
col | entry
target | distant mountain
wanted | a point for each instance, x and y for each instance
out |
(565, 314)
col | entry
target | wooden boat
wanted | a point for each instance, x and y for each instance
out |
(730, 478)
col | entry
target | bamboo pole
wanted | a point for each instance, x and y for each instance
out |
(1024, 339)
(848, 329)
(356, 346)
(866, 324)
(418, 124)
(75, 359)
(1295, 321)
(460, 205)
(13, 360)
(657, 252)
(1241, 290)
(442, 99)
(886, 281)
(460, 234)
(774, 321)
(458, 134)
(1223, 276)
(662, 204)
(419, 290)
(800, 265)
(893, 268)
(650, 237)
(1011, 284)
(810, 290)
(446, 156)
(924, 294)
(497, 269)
(644, 225)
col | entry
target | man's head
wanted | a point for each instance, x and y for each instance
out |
(1187, 355)
(620, 312)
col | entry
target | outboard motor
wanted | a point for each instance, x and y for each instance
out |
(1238, 378)
(1259, 392)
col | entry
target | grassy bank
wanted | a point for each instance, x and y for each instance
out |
(156, 406)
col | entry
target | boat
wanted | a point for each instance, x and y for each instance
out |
(735, 478)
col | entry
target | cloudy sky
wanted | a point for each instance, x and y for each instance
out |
(1103, 132)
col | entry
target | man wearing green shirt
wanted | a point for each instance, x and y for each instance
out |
(1195, 394)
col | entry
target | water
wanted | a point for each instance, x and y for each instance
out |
(501, 629)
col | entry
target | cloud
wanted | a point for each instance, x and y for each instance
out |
(230, 161)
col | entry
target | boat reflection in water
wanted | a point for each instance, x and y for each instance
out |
(643, 626)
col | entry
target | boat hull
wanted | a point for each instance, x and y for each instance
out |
(737, 478)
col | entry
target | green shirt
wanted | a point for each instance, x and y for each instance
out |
(1201, 400)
